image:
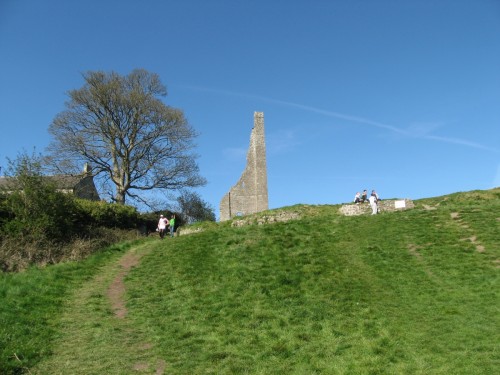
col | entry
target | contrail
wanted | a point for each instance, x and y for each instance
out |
(351, 118)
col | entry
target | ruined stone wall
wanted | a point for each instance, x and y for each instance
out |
(354, 209)
(249, 195)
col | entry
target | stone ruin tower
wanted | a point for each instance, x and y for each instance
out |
(249, 195)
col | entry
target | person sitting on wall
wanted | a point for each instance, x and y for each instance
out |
(357, 198)
(364, 196)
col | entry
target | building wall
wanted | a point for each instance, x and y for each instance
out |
(249, 195)
(81, 186)
(86, 189)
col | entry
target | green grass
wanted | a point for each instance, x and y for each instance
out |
(31, 304)
(413, 292)
(396, 293)
(91, 340)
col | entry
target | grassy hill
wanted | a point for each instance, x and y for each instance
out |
(413, 292)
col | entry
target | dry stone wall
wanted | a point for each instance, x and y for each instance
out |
(272, 217)
(249, 195)
(355, 209)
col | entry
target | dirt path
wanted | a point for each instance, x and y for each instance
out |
(95, 335)
(116, 290)
(455, 216)
(116, 294)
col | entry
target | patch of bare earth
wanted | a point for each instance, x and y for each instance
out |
(116, 293)
(116, 290)
(160, 367)
(476, 243)
(473, 239)
(140, 367)
(413, 250)
(429, 208)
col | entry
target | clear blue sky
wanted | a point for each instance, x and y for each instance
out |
(398, 96)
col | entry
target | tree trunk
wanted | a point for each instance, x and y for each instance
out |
(120, 196)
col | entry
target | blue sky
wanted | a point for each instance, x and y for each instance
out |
(398, 96)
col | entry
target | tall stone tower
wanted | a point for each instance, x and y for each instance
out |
(249, 195)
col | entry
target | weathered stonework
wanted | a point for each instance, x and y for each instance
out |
(182, 231)
(272, 217)
(383, 206)
(249, 195)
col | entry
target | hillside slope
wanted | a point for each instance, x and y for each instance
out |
(412, 292)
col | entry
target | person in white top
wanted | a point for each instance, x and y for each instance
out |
(373, 204)
(162, 226)
(357, 197)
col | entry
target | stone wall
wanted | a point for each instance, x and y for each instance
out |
(272, 217)
(383, 206)
(249, 195)
(86, 189)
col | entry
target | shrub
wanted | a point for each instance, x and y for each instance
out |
(34, 208)
(18, 253)
(109, 215)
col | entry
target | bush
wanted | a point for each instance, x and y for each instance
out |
(41, 225)
(109, 215)
(18, 253)
(32, 206)
(40, 212)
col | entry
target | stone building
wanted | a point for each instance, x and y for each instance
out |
(81, 186)
(249, 195)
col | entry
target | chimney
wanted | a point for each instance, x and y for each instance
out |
(86, 169)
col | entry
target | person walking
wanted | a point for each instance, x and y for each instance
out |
(172, 225)
(162, 226)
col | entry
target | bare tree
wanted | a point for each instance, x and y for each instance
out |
(193, 208)
(127, 134)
